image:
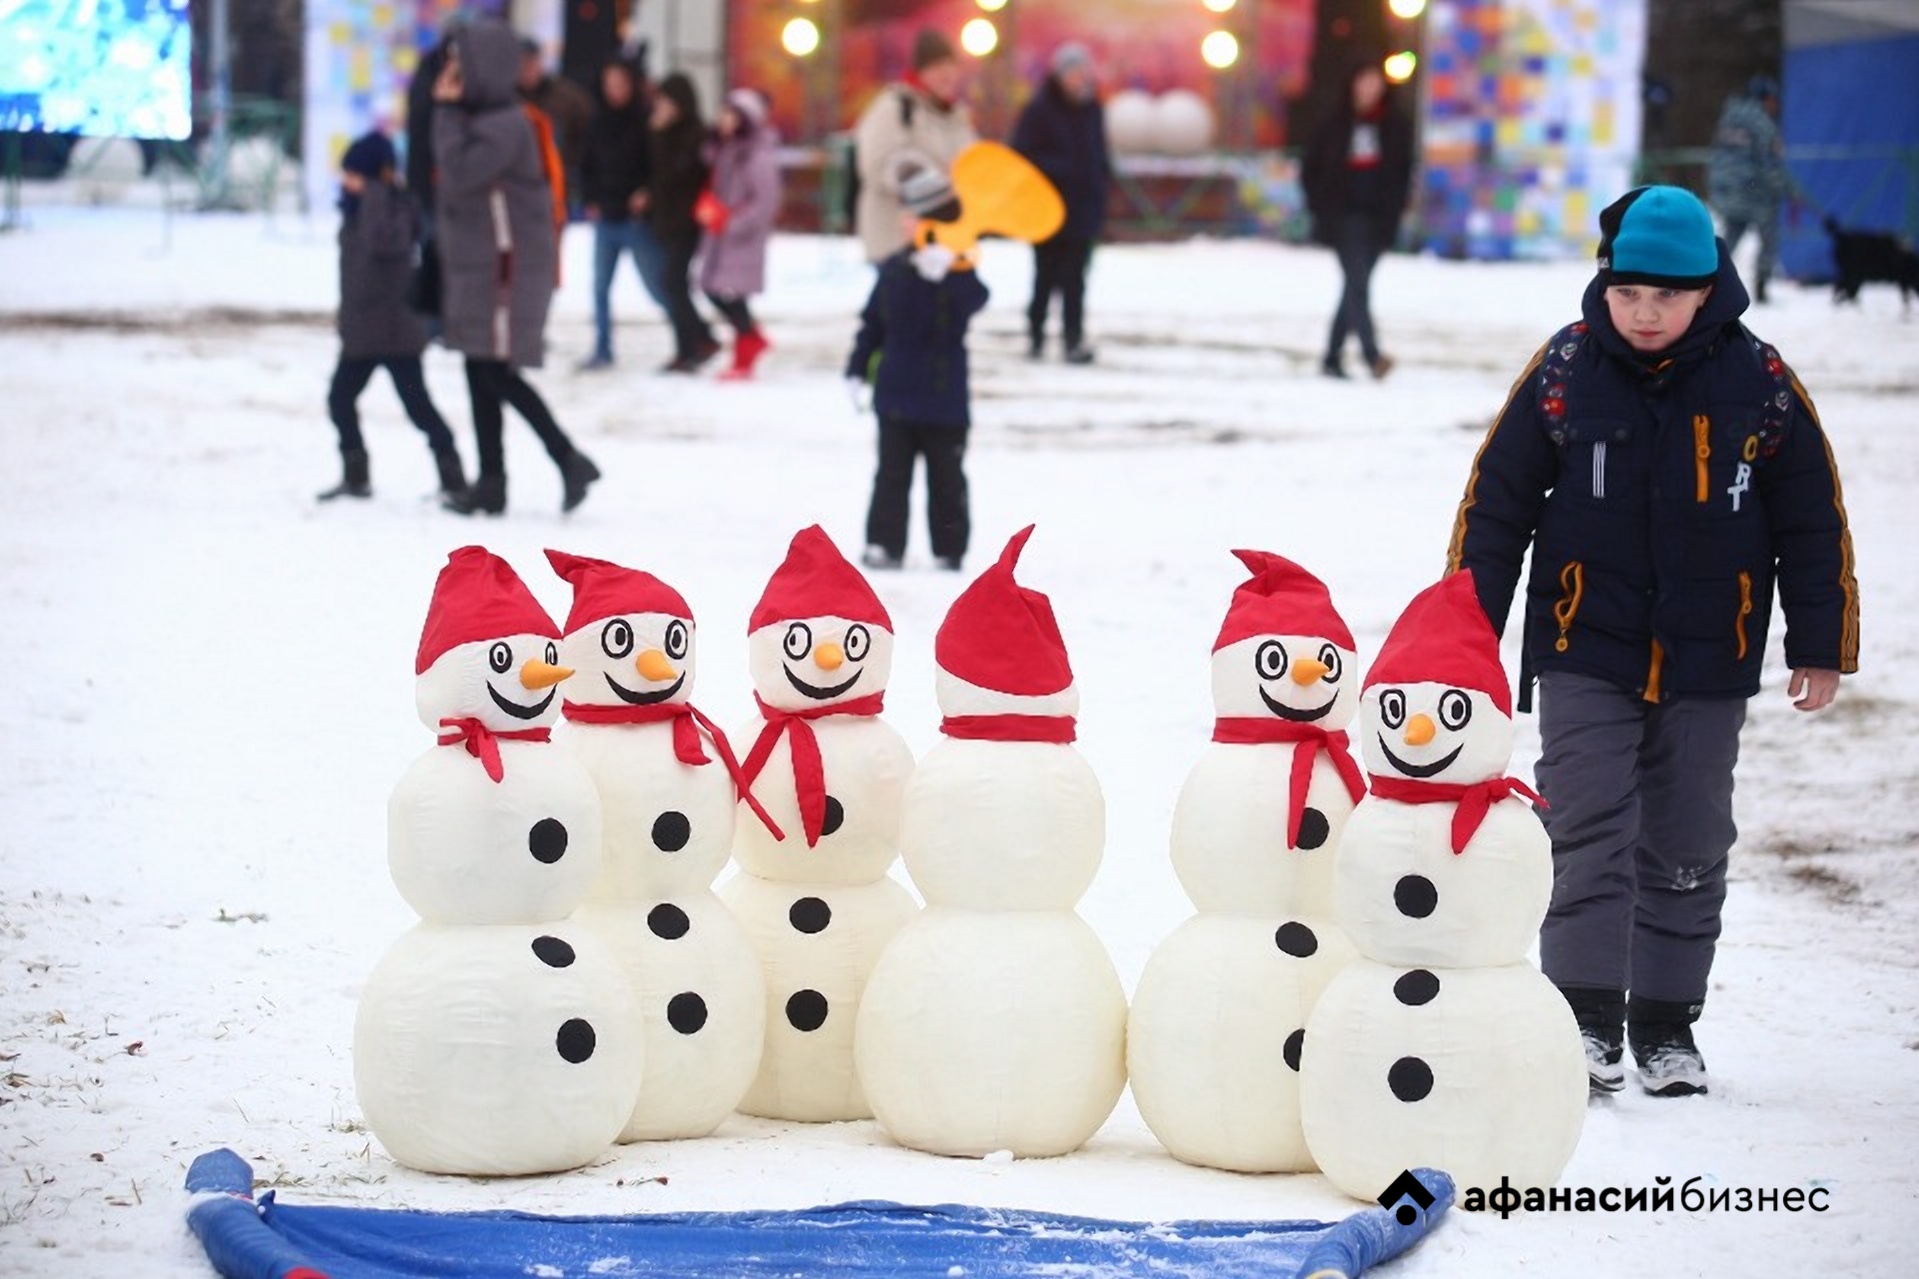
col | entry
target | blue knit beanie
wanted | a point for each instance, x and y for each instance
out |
(370, 155)
(1661, 236)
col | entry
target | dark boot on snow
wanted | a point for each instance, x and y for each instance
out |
(577, 472)
(355, 480)
(452, 474)
(487, 496)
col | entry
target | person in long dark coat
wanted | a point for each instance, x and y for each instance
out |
(378, 226)
(1357, 172)
(1063, 132)
(499, 254)
(679, 175)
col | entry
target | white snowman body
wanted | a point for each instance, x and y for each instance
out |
(818, 915)
(668, 830)
(995, 1020)
(1442, 1047)
(497, 1050)
(1218, 1017)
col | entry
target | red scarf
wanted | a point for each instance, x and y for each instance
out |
(912, 81)
(809, 771)
(1308, 740)
(687, 723)
(1474, 799)
(482, 743)
(1010, 728)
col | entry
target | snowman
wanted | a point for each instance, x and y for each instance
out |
(1442, 1046)
(995, 1020)
(669, 786)
(497, 1037)
(814, 895)
(1214, 1039)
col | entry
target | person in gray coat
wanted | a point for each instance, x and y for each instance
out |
(499, 255)
(378, 226)
(746, 185)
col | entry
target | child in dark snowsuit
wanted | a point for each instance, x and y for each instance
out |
(379, 224)
(1667, 469)
(911, 347)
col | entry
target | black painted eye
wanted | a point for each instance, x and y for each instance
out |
(858, 642)
(499, 657)
(1392, 707)
(1329, 657)
(616, 638)
(552, 653)
(1269, 659)
(676, 639)
(1455, 708)
(799, 641)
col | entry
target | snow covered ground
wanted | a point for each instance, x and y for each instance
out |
(212, 696)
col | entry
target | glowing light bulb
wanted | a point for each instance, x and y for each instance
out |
(1220, 50)
(800, 37)
(1400, 66)
(979, 37)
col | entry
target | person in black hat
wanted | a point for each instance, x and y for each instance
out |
(378, 225)
(1063, 132)
(1668, 473)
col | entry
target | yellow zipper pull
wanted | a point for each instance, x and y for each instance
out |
(1701, 451)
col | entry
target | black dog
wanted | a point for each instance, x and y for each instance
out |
(1867, 256)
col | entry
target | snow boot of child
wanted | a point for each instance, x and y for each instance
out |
(355, 479)
(486, 496)
(748, 347)
(1601, 1015)
(1660, 1035)
(576, 473)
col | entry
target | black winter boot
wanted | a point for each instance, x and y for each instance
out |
(1659, 1032)
(452, 474)
(487, 496)
(577, 472)
(1601, 1015)
(355, 480)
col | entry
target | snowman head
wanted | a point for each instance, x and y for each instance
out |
(629, 636)
(999, 651)
(488, 650)
(819, 637)
(1435, 706)
(1283, 651)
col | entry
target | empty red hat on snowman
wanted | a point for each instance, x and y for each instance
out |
(1280, 598)
(477, 597)
(602, 589)
(815, 580)
(1443, 637)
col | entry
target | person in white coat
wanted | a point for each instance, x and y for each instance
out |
(918, 118)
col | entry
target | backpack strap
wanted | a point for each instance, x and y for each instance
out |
(1555, 376)
(1775, 414)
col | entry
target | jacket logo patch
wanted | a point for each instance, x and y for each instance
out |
(1741, 484)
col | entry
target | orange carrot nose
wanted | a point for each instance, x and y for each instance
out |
(653, 666)
(539, 674)
(1420, 730)
(829, 656)
(1307, 669)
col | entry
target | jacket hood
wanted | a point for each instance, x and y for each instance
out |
(1728, 302)
(489, 64)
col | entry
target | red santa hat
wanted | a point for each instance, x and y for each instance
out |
(815, 580)
(602, 590)
(1001, 636)
(1443, 637)
(478, 597)
(1280, 598)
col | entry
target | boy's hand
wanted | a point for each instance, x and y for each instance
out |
(859, 393)
(1812, 689)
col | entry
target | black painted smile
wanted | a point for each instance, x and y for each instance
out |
(814, 691)
(1419, 770)
(1305, 716)
(518, 711)
(632, 698)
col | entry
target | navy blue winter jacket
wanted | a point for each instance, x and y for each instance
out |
(1663, 498)
(917, 329)
(1066, 140)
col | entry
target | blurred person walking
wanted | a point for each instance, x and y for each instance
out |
(1357, 172)
(614, 171)
(679, 176)
(499, 252)
(1746, 176)
(917, 121)
(1063, 132)
(568, 106)
(379, 225)
(739, 217)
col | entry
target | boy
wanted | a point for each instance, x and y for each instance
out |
(1666, 467)
(378, 227)
(912, 348)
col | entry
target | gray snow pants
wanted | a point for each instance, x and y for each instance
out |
(1640, 816)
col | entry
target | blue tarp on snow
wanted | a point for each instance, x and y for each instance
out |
(271, 1240)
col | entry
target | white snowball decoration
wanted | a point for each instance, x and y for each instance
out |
(1182, 123)
(1130, 121)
